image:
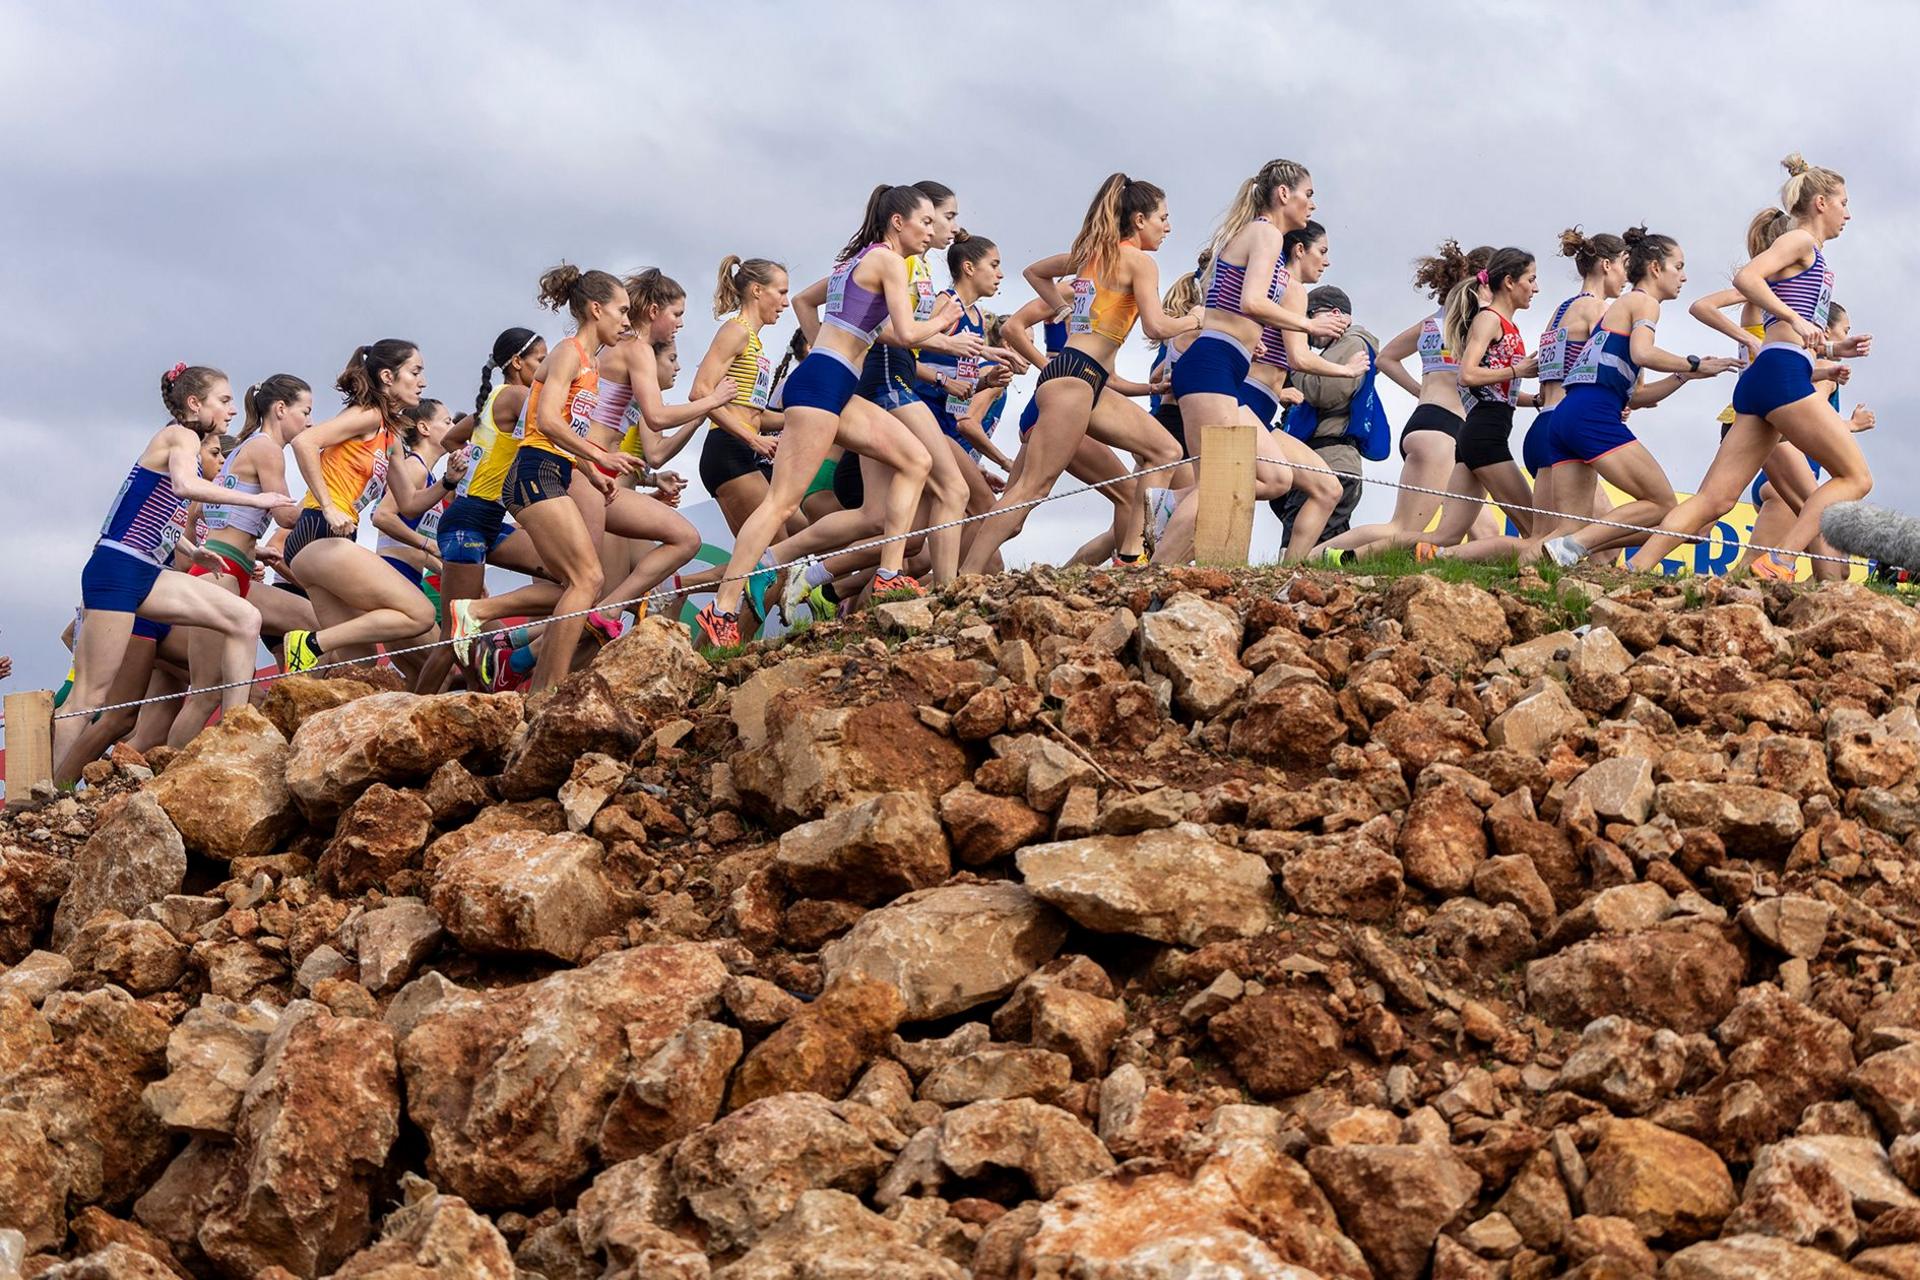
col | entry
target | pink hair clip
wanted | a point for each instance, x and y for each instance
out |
(176, 371)
(1482, 277)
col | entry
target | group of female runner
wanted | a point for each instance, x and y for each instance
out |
(850, 466)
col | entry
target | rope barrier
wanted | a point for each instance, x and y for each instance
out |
(670, 593)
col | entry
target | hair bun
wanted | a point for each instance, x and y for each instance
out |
(960, 235)
(1795, 165)
(1634, 235)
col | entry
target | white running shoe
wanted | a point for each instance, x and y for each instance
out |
(793, 592)
(1160, 507)
(1565, 552)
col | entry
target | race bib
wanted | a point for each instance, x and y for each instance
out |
(580, 412)
(376, 486)
(1823, 305)
(429, 527)
(1080, 315)
(1553, 354)
(837, 285)
(1586, 370)
(923, 297)
(1433, 348)
(170, 536)
(968, 372)
(763, 380)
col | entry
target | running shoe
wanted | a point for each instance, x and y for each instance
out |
(465, 627)
(1769, 566)
(1334, 558)
(492, 662)
(1423, 551)
(884, 582)
(722, 630)
(794, 588)
(300, 652)
(1140, 561)
(757, 583)
(1564, 552)
(607, 629)
(822, 608)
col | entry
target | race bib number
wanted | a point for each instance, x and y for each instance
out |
(376, 486)
(763, 381)
(837, 285)
(923, 297)
(968, 372)
(1433, 348)
(1823, 305)
(1553, 354)
(170, 536)
(1080, 315)
(430, 523)
(580, 412)
(1586, 370)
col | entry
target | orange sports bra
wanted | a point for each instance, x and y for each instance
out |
(577, 411)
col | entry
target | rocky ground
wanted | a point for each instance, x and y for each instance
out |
(1142, 927)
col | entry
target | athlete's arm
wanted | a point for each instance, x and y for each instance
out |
(1044, 277)
(1398, 348)
(1480, 335)
(356, 423)
(644, 370)
(1017, 331)
(1641, 312)
(1264, 243)
(1144, 278)
(1793, 251)
(806, 310)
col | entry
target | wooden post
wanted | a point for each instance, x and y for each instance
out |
(1223, 532)
(29, 745)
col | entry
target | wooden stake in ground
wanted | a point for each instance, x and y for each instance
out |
(29, 745)
(1223, 532)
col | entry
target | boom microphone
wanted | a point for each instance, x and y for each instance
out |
(1862, 529)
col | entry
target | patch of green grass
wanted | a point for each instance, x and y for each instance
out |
(722, 653)
(898, 593)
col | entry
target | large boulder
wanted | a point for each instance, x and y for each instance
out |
(1246, 1211)
(1195, 643)
(1044, 1145)
(825, 1044)
(393, 737)
(212, 1055)
(1443, 840)
(950, 948)
(581, 717)
(379, 836)
(31, 883)
(817, 758)
(672, 1093)
(511, 1087)
(1757, 1257)
(524, 894)
(1685, 978)
(227, 789)
(870, 853)
(1455, 623)
(1176, 885)
(653, 669)
(315, 1127)
(1668, 1185)
(134, 857)
(433, 1238)
(78, 1069)
(1395, 1200)
(830, 1233)
(1748, 819)
(1279, 1043)
(743, 1173)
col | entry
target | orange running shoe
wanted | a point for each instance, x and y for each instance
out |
(1774, 569)
(722, 630)
(884, 582)
(1423, 551)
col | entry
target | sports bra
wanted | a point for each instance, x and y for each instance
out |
(577, 411)
(1435, 355)
(610, 405)
(1104, 313)
(1273, 345)
(497, 449)
(751, 371)
(147, 518)
(1504, 352)
(251, 521)
(354, 472)
(852, 307)
(1226, 281)
(1809, 293)
(1557, 351)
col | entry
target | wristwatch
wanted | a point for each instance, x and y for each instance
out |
(1693, 364)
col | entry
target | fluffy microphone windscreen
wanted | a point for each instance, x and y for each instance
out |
(1862, 529)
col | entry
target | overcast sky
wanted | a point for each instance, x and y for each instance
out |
(263, 187)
